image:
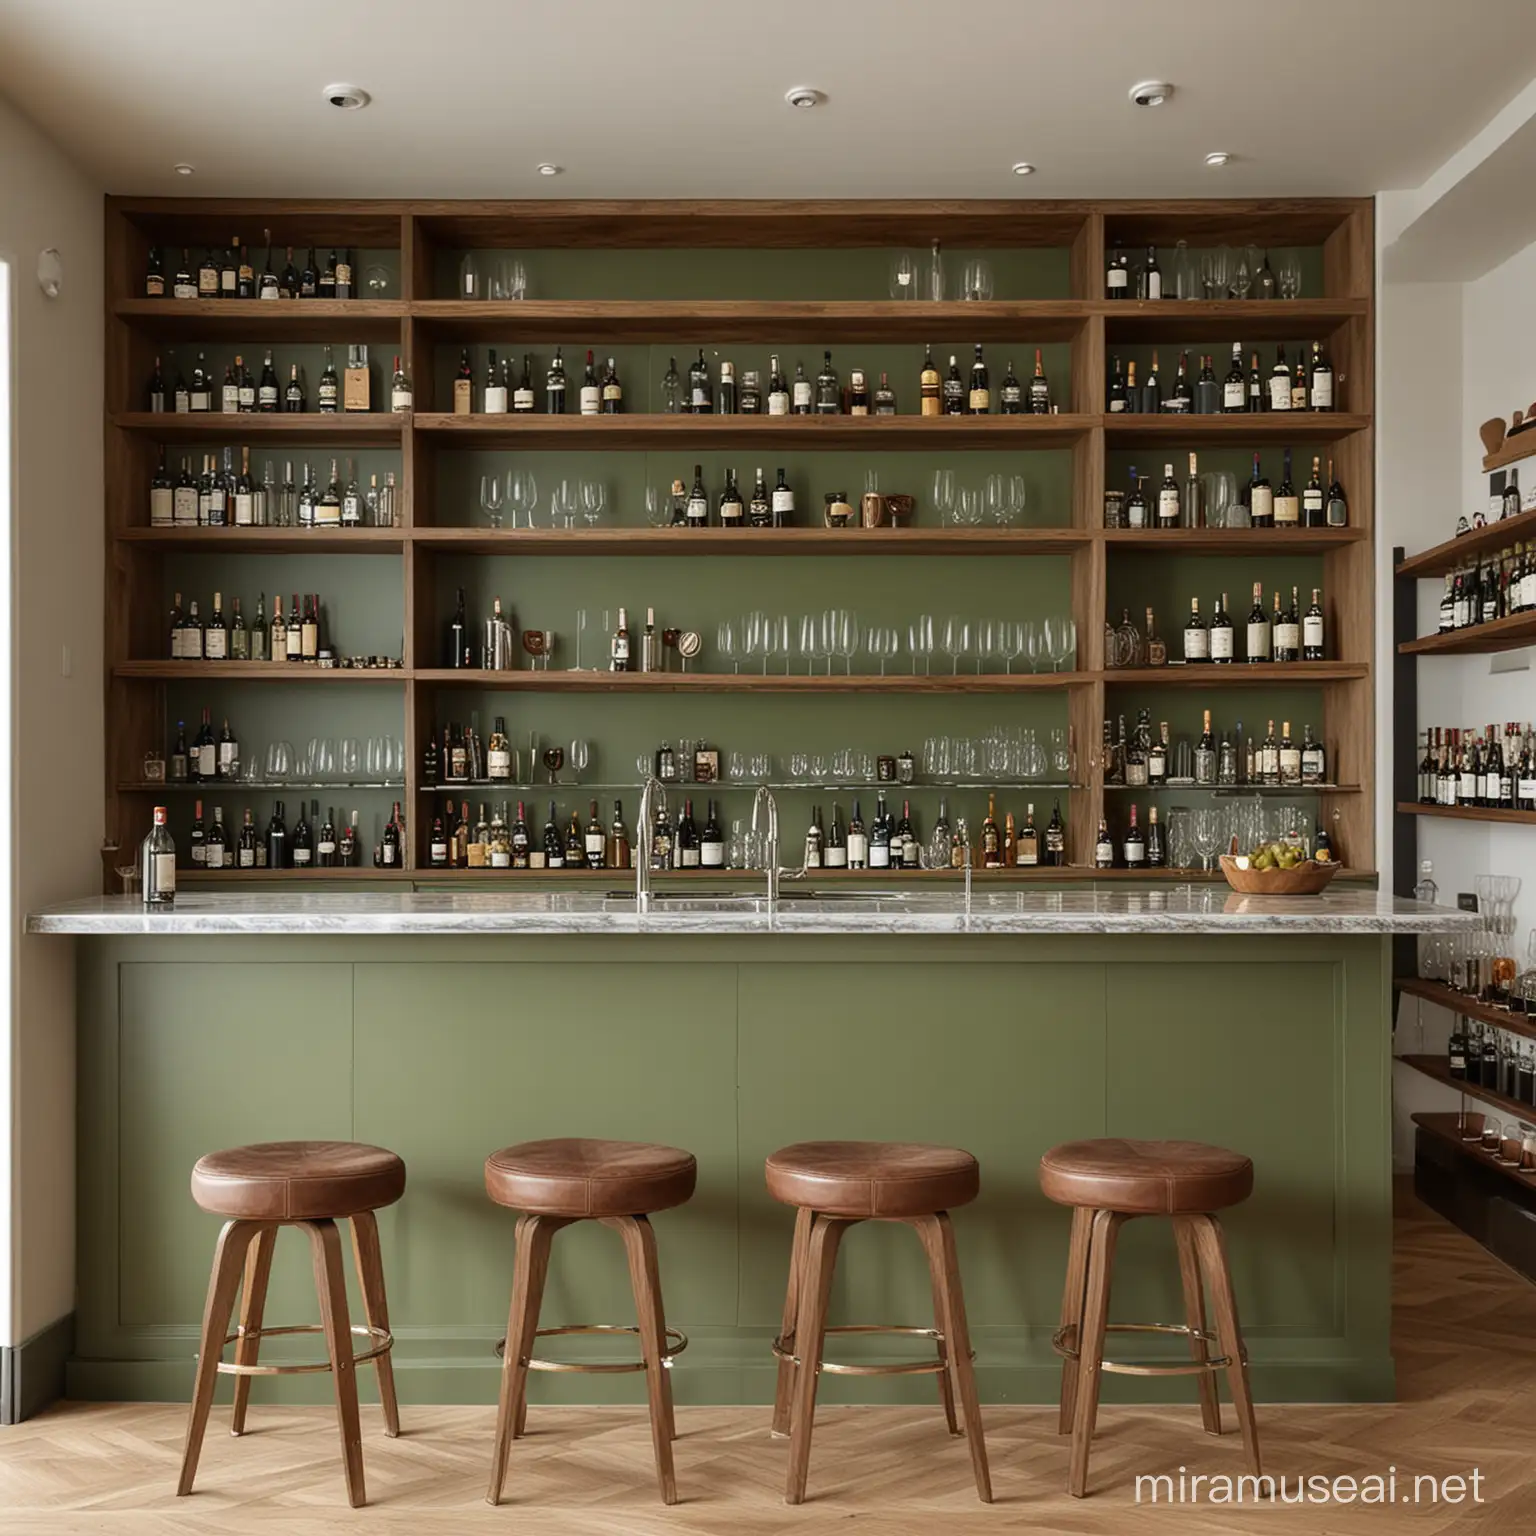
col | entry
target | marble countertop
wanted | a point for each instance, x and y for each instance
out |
(1167, 909)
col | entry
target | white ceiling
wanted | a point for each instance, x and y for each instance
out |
(685, 97)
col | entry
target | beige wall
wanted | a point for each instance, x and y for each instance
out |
(55, 827)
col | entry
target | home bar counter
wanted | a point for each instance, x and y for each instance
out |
(443, 1024)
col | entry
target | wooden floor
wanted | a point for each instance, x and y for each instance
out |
(1466, 1351)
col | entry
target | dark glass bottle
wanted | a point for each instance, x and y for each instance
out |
(277, 838)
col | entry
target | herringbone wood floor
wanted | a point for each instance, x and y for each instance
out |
(1466, 1351)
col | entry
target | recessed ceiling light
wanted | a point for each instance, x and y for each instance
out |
(548, 169)
(1217, 157)
(349, 98)
(182, 168)
(1023, 168)
(1151, 93)
(804, 96)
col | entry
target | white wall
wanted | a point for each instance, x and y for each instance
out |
(56, 825)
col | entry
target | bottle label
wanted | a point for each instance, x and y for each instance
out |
(595, 843)
(1287, 512)
(980, 401)
(230, 400)
(1197, 644)
(712, 855)
(327, 395)
(1525, 789)
(1258, 640)
(1168, 506)
(522, 399)
(1117, 277)
(1312, 632)
(498, 763)
(214, 643)
(1287, 637)
(163, 873)
(858, 850)
(592, 399)
(698, 511)
(243, 509)
(778, 402)
(1322, 389)
(496, 400)
(162, 506)
(802, 394)
(836, 858)
(207, 760)
(783, 502)
(1290, 765)
(1280, 392)
(1221, 644)
(267, 398)
(1012, 395)
(879, 855)
(247, 397)
(612, 392)
(1261, 502)
(690, 858)
(731, 513)
(1135, 853)
(1233, 396)
(1312, 503)
(301, 857)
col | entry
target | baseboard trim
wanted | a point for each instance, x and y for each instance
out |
(32, 1373)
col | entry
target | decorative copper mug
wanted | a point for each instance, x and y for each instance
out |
(872, 509)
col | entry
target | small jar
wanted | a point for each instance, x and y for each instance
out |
(906, 769)
(885, 770)
(838, 513)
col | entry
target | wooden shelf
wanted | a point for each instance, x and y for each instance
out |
(589, 321)
(1278, 674)
(274, 541)
(1513, 450)
(1444, 1127)
(672, 542)
(1467, 812)
(568, 681)
(1438, 1068)
(1473, 1008)
(339, 321)
(1507, 634)
(1167, 321)
(343, 429)
(1239, 430)
(256, 672)
(1450, 556)
(1233, 789)
(293, 877)
(1233, 541)
(586, 433)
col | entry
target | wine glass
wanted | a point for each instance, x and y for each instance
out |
(580, 756)
(810, 642)
(1219, 492)
(1208, 832)
(280, 762)
(904, 277)
(978, 280)
(522, 493)
(957, 640)
(517, 281)
(777, 642)
(996, 491)
(728, 643)
(968, 507)
(658, 506)
(1289, 275)
(1221, 272)
(920, 642)
(351, 759)
(944, 494)
(1061, 640)
(1010, 642)
(1017, 496)
(594, 498)
(1242, 275)
(565, 501)
(847, 634)
(554, 761)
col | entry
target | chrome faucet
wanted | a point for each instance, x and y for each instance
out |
(646, 839)
(763, 796)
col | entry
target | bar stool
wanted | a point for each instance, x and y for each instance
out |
(834, 1185)
(619, 1183)
(1107, 1182)
(310, 1185)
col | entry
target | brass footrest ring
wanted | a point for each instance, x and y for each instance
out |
(602, 1368)
(383, 1342)
(835, 1368)
(1064, 1342)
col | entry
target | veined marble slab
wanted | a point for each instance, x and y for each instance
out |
(1192, 909)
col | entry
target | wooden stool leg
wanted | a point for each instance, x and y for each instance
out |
(645, 1279)
(1213, 1257)
(370, 1279)
(1090, 1343)
(810, 1335)
(223, 1283)
(533, 1305)
(941, 1241)
(331, 1284)
(934, 1248)
(1194, 1318)
(529, 1263)
(1072, 1310)
(253, 1303)
(784, 1392)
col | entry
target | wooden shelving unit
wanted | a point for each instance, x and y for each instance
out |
(1437, 1068)
(1444, 558)
(1446, 1128)
(1470, 1007)
(420, 322)
(1467, 813)
(1512, 451)
(1511, 633)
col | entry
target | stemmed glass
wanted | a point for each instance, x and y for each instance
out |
(968, 507)
(565, 502)
(594, 498)
(776, 641)
(1061, 640)
(522, 493)
(920, 642)
(881, 644)
(581, 755)
(958, 640)
(554, 760)
(280, 763)
(728, 643)
(1289, 275)
(1208, 832)
(997, 499)
(1242, 275)
(1016, 498)
(944, 494)
(810, 641)
(491, 499)
(1010, 642)
(1220, 282)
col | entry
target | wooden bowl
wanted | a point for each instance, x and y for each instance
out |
(1305, 879)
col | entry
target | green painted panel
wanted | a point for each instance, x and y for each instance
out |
(1189, 1046)
(451, 1066)
(712, 273)
(214, 1056)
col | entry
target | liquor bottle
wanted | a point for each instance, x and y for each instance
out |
(309, 278)
(288, 283)
(1192, 499)
(712, 839)
(327, 512)
(216, 632)
(208, 276)
(326, 287)
(1234, 391)
(858, 839)
(1258, 400)
(1313, 514)
(1287, 505)
(302, 843)
(244, 856)
(834, 853)
(731, 511)
(517, 840)
(328, 392)
(880, 836)
(814, 840)
(829, 400)
(1168, 500)
(157, 864)
(293, 637)
(1260, 636)
(294, 399)
(618, 645)
(1136, 502)
(613, 390)
(1261, 498)
(1103, 848)
(1197, 639)
(650, 656)
(1205, 753)
(178, 769)
(154, 275)
(1117, 401)
(1511, 502)
(575, 845)
(697, 513)
(1314, 759)
(277, 838)
(802, 396)
(1134, 848)
(1299, 384)
(205, 750)
(1267, 759)
(725, 396)
(1157, 758)
(1320, 393)
(778, 392)
(954, 389)
(1010, 395)
(701, 399)
(760, 508)
(1312, 646)
(200, 396)
(1027, 846)
(245, 387)
(311, 628)
(498, 754)
(1157, 647)
(197, 838)
(1222, 634)
(1287, 630)
(494, 397)
(858, 393)
(979, 397)
(594, 840)
(1280, 382)
(184, 283)
(1117, 277)
(1181, 399)
(904, 841)
(162, 496)
(554, 386)
(1289, 757)
(1056, 839)
(554, 844)
(591, 393)
(456, 639)
(239, 637)
(929, 388)
(751, 402)
(522, 396)
(991, 841)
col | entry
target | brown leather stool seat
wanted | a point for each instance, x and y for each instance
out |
(1107, 1182)
(576, 1177)
(873, 1179)
(1146, 1178)
(297, 1180)
(835, 1185)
